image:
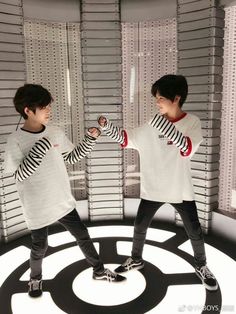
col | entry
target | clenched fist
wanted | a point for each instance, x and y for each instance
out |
(94, 132)
(102, 121)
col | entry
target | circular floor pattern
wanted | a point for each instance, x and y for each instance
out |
(167, 284)
(119, 293)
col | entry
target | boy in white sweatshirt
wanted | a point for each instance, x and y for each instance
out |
(165, 145)
(36, 155)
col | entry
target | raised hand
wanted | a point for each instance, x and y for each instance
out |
(94, 132)
(102, 121)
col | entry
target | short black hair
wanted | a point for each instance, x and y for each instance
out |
(171, 85)
(31, 96)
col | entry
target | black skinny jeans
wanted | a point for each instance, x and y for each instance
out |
(188, 213)
(75, 226)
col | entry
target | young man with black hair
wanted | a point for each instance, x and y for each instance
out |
(165, 145)
(35, 154)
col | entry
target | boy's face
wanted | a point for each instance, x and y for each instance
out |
(165, 105)
(41, 115)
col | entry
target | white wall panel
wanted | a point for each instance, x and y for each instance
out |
(228, 134)
(200, 59)
(149, 51)
(53, 60)
(12, 75)
(101, 58)
(76, 100)
(130, 53)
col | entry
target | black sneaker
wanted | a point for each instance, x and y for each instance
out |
(108, 275)
(129, 264)
(35, 288)
(207, 278)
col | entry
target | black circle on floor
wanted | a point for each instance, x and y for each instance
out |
(13, 285)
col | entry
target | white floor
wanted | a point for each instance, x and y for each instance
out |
(181, 298)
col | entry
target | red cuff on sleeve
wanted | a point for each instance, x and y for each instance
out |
(125, 139)
(188, 152)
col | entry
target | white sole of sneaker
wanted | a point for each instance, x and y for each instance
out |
(207, 287)
(112, 281)
(134, 268)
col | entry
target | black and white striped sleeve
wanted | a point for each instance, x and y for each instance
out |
(33, 160)
(114, 132)
(80, 151)
(168, 129)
